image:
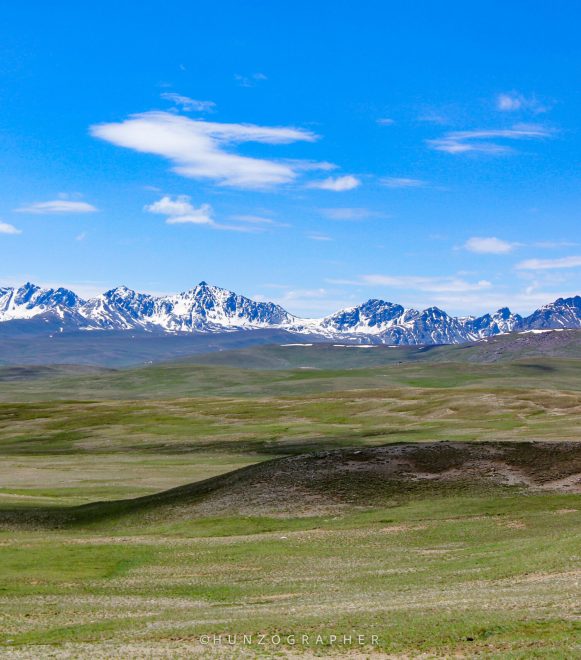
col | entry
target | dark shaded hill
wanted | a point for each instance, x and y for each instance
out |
(334, 480)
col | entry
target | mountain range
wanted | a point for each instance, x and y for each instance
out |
(210, 309)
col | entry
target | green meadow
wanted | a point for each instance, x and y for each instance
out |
(466, 567)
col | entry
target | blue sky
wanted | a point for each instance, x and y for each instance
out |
(312, 153)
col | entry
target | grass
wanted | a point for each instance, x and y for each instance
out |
(460, 571)
(496, 575)
(282, 425)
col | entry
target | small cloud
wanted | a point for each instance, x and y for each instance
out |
(550, 264)
(385, 121)
(258, 220)
(188, 104)
(179, 210)
(484, 141)
(402, 182)
(432, 117)
(348, 213)
(488, 245)
(337, 184)
(316, 236)
(249, 81)
(81, 236)
(513, 101)
(6, 228)
(57, 206)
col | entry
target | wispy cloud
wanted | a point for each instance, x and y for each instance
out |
(258, 220)
(433, 117)
(514, 101)
(188, 104)
(307, 302)
(57, 206)
(402, 182)
(198, 149)
(486, 141)
(385, 121)
(316, 236)
(336, 184)
(348, 213)
(6, 228)
(550, 264)
(249, 81)
(488, 245)
(417, 283)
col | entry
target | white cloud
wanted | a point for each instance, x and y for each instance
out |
(188, 104)
(197, 149)
(509, 102)
(179, 210)
(418, 283)
(6, 228)
(258, 220)
(549, 264)
(57, 206)
(385, 121)
(347, 213)
(514, 101)
(483, 141)
(201, 215)
(488, 245)
(433, 117)
(167, 205)
(402, 182)
(337, 184)
(249, 81)
(316, 236)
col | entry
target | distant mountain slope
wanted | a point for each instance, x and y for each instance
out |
(210, 309)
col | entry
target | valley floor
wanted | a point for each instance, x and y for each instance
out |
(494, 576)
(462, 542)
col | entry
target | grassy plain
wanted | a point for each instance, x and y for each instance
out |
(474, 571)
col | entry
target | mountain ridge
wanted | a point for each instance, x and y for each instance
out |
(210, 309)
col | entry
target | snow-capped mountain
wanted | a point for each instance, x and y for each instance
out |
(563, 313)
(203, 308)
(31, 300)
(393, 324)
(206, 309)
(500, 322)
